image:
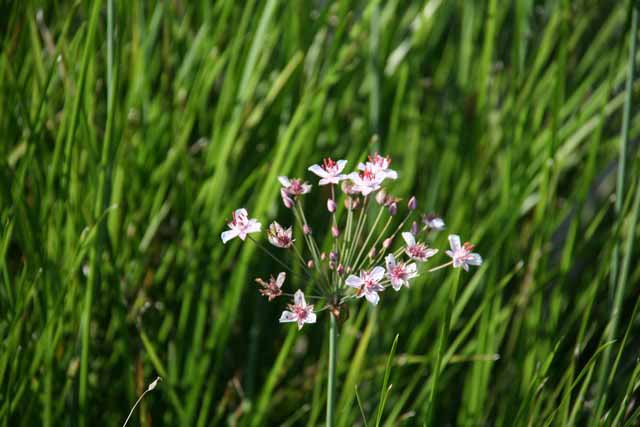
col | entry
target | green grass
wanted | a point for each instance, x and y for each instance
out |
(131, 130)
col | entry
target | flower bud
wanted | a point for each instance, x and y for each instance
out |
(310, 263)
(386, 243)
(331, 205)
(348, 203)
(414, 228)
(381, 197)
(335, 231)
(323, 256)
(372, 252)
(340, 269)
(306, 230)
(393, 208)
(286, 199)
(356, 203)
(413, 203)
(333, 256)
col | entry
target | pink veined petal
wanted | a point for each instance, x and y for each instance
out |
(391, 174)
(298, 298)
(431, 252)
(325, 181)
(300, 323)
(242, 234)
(284, 181)
(317, 169)
(450, 254)
(281, 278)
(340, 164)
(411, 269)
(361, 166)
(474, 259)
(408, 238)
(377, 273)
(396, 284)
(390, 261)
(354, 281)
(372, 297)
(457, 263)
(241, 212)
(287, 316)
(465, 266)
(306, 188)
(311, 318)
(454, 242)
(253, 226)
(228, 235)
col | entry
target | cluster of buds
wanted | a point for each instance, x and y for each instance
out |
(362, 261)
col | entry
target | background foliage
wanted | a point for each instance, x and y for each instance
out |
(131, 129)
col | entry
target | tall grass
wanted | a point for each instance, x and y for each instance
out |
(132, 129)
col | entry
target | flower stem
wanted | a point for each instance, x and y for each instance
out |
(331, 381)
(444, 337)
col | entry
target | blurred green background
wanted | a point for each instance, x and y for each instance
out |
(131, 129)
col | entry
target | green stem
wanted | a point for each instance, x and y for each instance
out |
(444, 337)
(331, 382)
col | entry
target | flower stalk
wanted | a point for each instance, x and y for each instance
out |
(352, 269)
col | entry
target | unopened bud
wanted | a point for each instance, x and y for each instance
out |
(356, 203)
(413, 203)
(286, 199)
(333, 256)
(340, 269)
(335, 231)
(381, 196)
(393, 209)
(310, 263)
(331, 205)
(414, 228)
(348, 203)
(332, 265)
(306, 229)
(323, 256)
(372, 252)
(386, 243)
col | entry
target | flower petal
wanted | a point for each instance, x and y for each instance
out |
(454, 242)
(298, 298)
(474, 259)
(287, 316)
(281, 278)
(340, 164)
(284, 181)
(390, 261)
(228, 235)
(408, 238)
(311, 318)
(377, 273)
(354, 281)
(253, 226)
(372, 297)
(241, 212)
(317, 169)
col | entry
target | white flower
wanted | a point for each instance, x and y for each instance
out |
(294, 186)
(433, 222)
(461, 254)
(279, 236)
(367, 284)
(240, 226)
(299, 311)
(380, 167)
(273, 288)
(365, 182)
(416, 250)
(399, 273)
(330, 172)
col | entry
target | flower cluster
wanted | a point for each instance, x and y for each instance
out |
(361, 260)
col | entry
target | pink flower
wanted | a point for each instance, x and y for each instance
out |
(330, 172)
(433, 222)
(365, 181)
(286, 199)
(294, 186)
(299, 311)
(461, 255)
(273, 289)
(380, 167)
(240, 226)
(416, 250)
(367, 284)
(279, 236)
(399, 273)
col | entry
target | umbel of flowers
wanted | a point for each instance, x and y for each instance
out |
(363, 260)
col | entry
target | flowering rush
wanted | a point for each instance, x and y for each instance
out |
(361, 256)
